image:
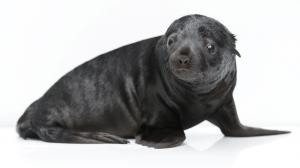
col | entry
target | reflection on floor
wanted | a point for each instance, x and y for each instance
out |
(204, 147)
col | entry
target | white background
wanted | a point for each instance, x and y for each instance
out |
(42, 40)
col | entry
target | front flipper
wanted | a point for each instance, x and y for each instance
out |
(160, 137)
(227, 120)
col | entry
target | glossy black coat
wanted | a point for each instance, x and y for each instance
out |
(131, 92)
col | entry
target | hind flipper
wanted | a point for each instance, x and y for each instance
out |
(61, 135)
(103, 137)
(30, 126)
(227, 120)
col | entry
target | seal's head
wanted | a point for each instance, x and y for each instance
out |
(199, 49)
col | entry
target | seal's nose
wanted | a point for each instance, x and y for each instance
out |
(184, 57)
(183, 60)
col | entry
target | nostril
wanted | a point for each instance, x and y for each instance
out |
(183, 61)
(186, 61)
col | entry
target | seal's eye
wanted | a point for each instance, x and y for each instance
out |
(171, 40)
(211, 48)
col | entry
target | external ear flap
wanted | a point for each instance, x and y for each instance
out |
(235, 52)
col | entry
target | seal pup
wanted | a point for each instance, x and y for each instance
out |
(151, 90)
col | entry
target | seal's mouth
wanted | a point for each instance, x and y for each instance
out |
(188, 74)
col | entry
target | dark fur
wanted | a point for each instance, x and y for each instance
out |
(142, 91)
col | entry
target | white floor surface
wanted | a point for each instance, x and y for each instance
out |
(204, 147)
